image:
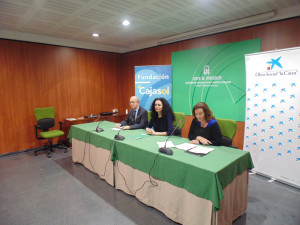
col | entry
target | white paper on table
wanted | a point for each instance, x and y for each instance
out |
(114, 128)
(186, 146)
(71, 119)
(201, 150)
(168, 145)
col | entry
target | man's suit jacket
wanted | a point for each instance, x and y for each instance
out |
(141, 119)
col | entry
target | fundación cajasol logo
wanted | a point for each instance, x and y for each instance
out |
(274, 62)
(153, 91)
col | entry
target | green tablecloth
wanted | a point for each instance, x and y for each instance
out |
(205, 176)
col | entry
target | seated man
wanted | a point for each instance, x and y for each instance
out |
(137, 117)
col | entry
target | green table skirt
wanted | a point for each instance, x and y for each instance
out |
(205, 176)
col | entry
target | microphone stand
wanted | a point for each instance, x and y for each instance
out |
(99, 129)
(166, 150)
(120, 137)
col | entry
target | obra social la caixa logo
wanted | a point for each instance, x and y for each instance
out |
(274, 62)
(152, 91)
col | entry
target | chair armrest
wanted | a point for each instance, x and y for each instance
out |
(226, 141)
(37, 127)
(60, 124)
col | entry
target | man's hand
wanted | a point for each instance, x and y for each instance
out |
(126, 128)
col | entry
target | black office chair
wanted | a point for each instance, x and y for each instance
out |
(45, 121)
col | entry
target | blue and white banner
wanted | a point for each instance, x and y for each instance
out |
(152, 82)
(272, 124)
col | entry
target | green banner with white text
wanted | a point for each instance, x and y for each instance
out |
(214, 75)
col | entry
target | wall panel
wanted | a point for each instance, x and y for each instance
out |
(75, 82)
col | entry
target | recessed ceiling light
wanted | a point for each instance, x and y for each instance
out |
(95, 35)
(126, 22)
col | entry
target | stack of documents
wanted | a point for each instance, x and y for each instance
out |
(195, 149)
(200, 150)
(71, 119)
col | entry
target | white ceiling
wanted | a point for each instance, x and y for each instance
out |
(153, 22)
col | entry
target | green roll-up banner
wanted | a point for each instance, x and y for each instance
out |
(215, 75)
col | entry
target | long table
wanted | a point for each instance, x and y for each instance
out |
(189, 189)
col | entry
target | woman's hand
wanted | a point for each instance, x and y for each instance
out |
(150, 131)
(194, 142)
(203, 140)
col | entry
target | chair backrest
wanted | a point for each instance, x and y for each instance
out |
(178, 116)
(45, 118)
(149, 116)
(228, 127)
(43, 113)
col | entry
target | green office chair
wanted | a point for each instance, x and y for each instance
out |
(228, 130)
(179, 116)
(45, 121)
(149, 116)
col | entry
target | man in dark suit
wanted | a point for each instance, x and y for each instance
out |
(137, 117)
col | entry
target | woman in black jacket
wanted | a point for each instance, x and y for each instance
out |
(162, 118)
(204, 127)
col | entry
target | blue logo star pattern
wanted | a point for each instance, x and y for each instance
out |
(274, 62)
(274, 106)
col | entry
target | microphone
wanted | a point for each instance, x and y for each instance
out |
(99, 129)
(166, 150)
(120, 137)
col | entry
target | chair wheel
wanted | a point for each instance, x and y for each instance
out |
(49, 154)
(66, 150)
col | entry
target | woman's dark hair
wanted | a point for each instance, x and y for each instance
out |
(207, 112)
(165, 110)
